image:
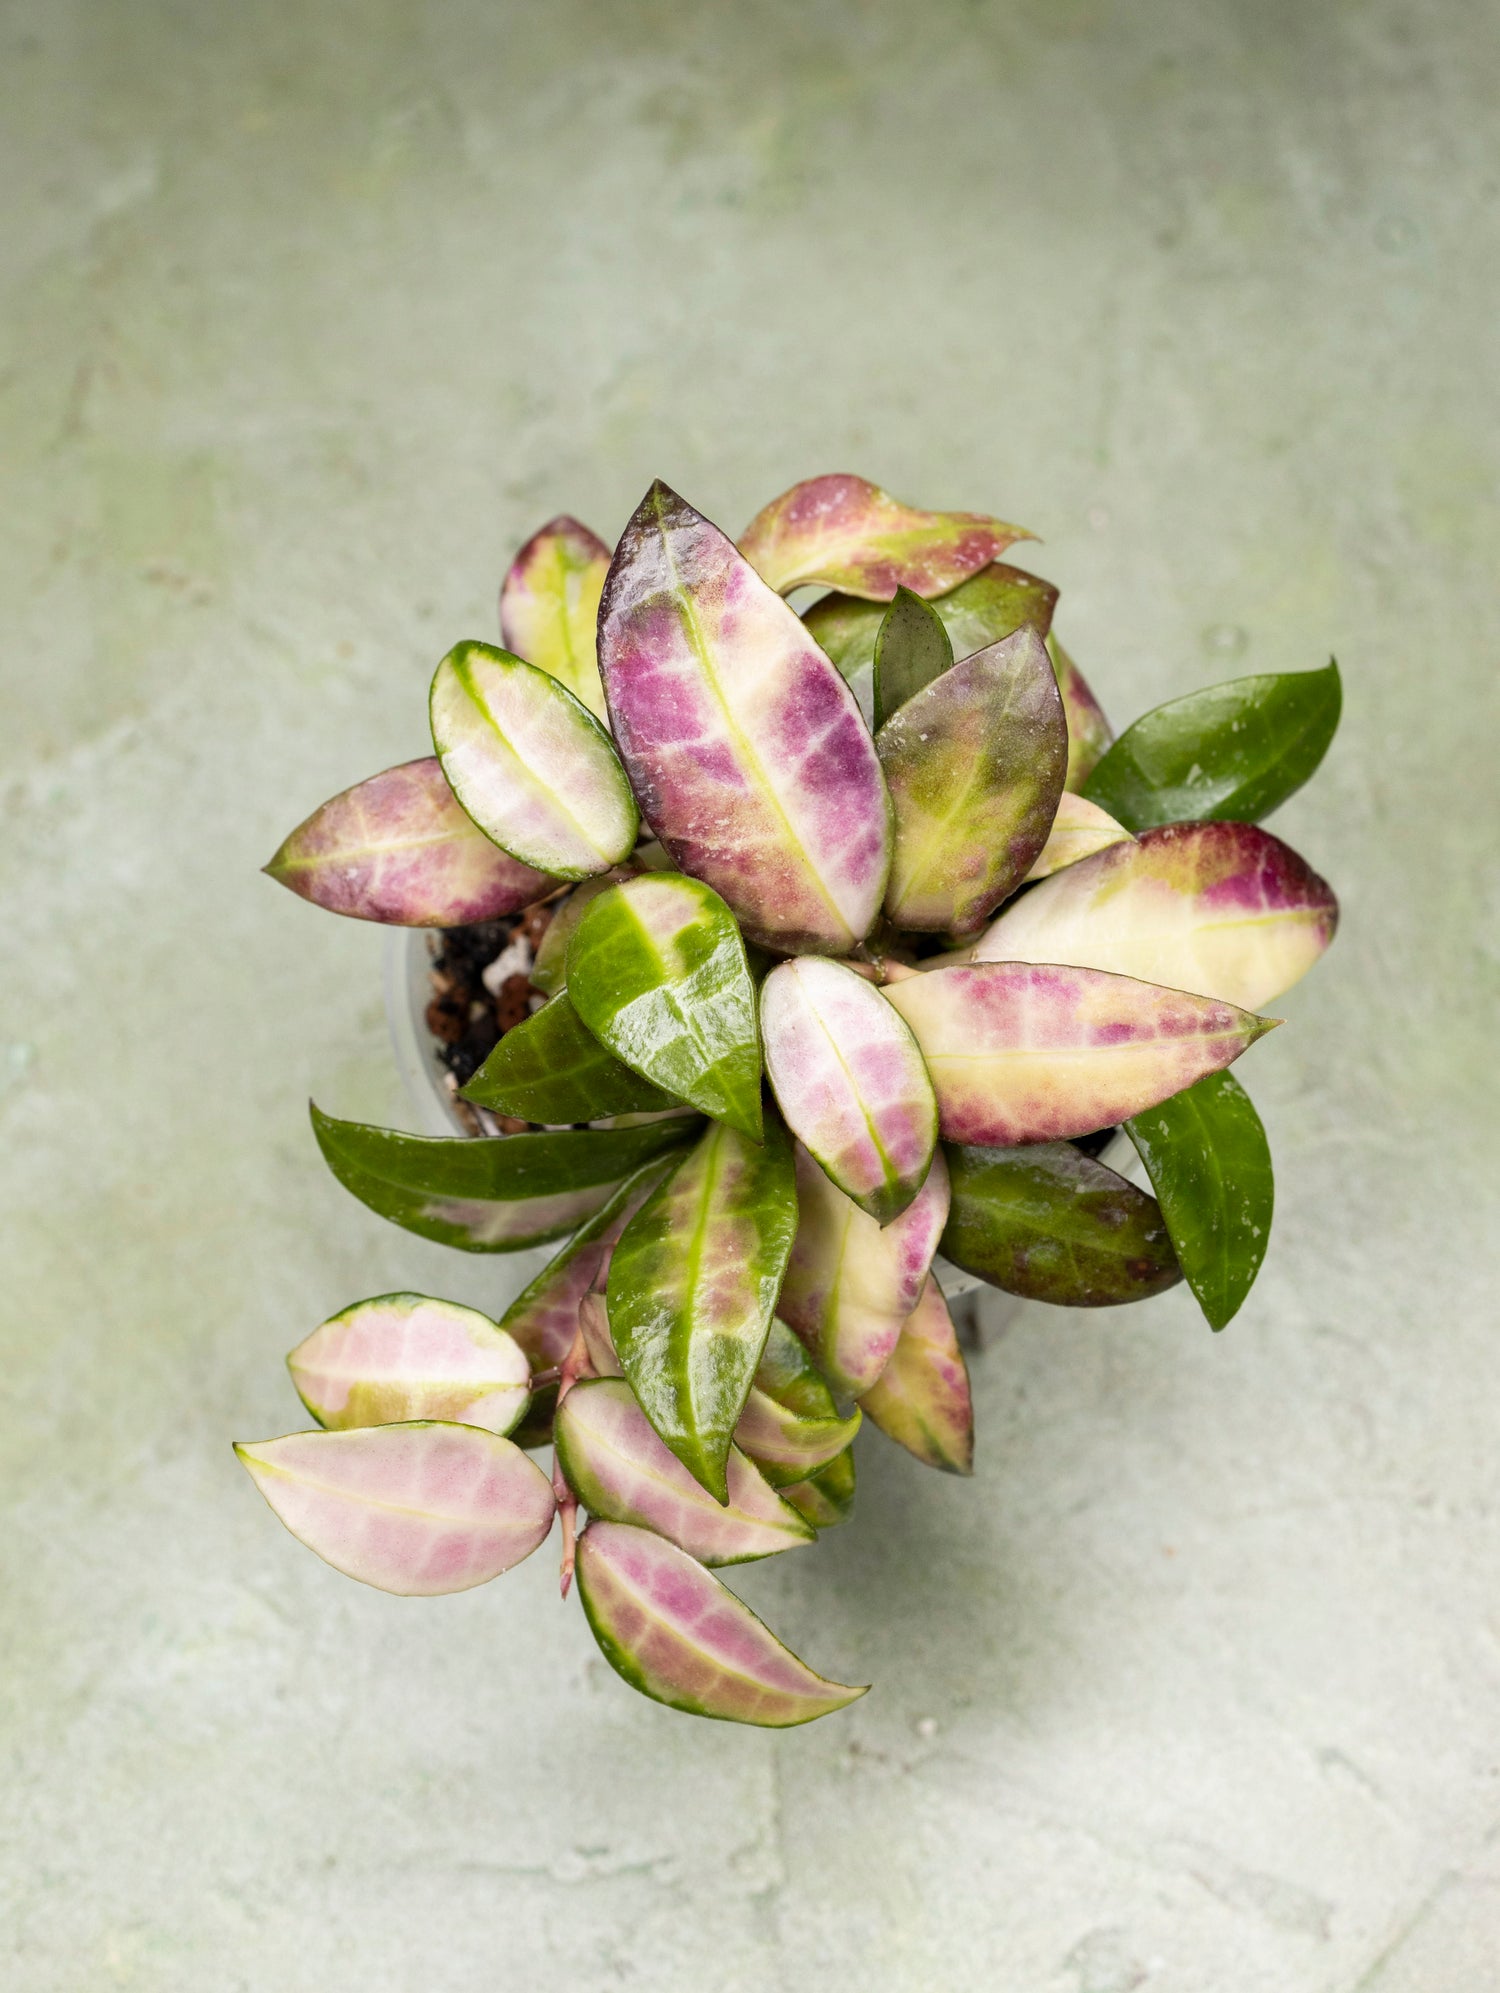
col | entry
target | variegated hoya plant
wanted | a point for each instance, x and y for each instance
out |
(864, 932)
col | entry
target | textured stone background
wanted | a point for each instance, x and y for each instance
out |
(311, 312)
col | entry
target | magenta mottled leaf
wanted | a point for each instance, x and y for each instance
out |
(1027, 1052)
(744, 745)
(921, 1399)
(406, 1356)
(675, 1632)
(414, 1509)
(850, 1082)
(846, 533)
(1079, 829)
(1224, 909)
(397, 848)
(1089, 732)
(549, 606)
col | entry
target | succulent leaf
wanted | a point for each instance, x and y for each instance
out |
(746, 748)
(552, 1069)
(921, 1399)
(912, 648)
(1209, 1163)
(530, 763)
(692, 1286)
(1025, 1052)
(549, 606)
(1079, 829)
(675, 1632)
(657, 972)
(398, 849)
(1226, 910)
(790, 1426)
(549, 971)
(1233, 751)
(402, 1357)
(850, 1082)
(593, 1324)
(846, 533)
(1052, 1224)
(975, 765)
(826, 1498)
(417, 1509)
(1089, 733)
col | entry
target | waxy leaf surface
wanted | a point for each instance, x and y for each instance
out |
(620, 1471)
(1052, 1224)
(847, 533)
(921, 1399)
(549, 606)
(1234, 751)
(692, 1286)
(746, 748)
(1089, 733)
(1209, 1163)
(552, 1069)
(397, 848)
(911, 649)
(493, 1194)
(416, 1509)
(826, 1498)
(593, 1324)
(1079, 829)
(790, 1425)
(851, 1283)
(657, 972)
(850, 1082)
(1226, 910)
(530, 763)
(549, 971)
(1033, 1052)
(406, 1356)
(675, 1632)
(974, 764)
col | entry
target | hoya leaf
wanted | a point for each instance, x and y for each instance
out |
(1089, 733)
(1226, 910)
(1052, 1224)
(417, 1509)
(657, 972)
(397, 848)
(620, 1471)
(530, 763)
(1023, 1052)
(826, 1498)
(921, 1399)
(1234, 751)
(679, 1635)
(1209, 1163)
(552, 1069)
(911, 649)
(850, 1082)
(406, 1356)
(549, 606)
(746, 748)
(786, 1447)
(488, 1195)
(974, 764)
(849, 534)
(593, 1325)
(851, 1283)
(692, 1286)
(1079, 829)
(549, 971)
(535, 1430)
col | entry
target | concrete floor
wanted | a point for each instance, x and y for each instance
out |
(311, 313)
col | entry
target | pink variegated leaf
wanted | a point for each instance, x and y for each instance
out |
(406, 1356)
(921, 1399)
(593, 1324)
(1079, 829)
(549, 606)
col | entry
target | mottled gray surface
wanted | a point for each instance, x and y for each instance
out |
(310, 314)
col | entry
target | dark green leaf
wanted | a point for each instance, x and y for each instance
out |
(911, 649)
(553, 1069)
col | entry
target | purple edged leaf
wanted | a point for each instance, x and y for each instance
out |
(620, 1471)
(406, 1356)
(846, 533)
(974, 764)
(417, 1509)
(850, 1082)
(745, 747)
(1079, 829)
(825, 1499)
(398, 849)
(921, 1399)
(530, 763)
(1033, 1052)
(851, 1283)
(1223, 909)
(675, 1632)
(1089, 733)
(549, 606)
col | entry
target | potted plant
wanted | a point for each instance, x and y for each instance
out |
(816, 944)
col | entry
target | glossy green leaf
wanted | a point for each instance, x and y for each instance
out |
(790, 1425)
(549, 971)
(553, 1069)
(657, 972)
(530, 763)
(692, 1287)
(1232, 752)
(490, 1195)
(826, 1498)
(406, 1356)
(1089, 732)
(679, 1635)
(921, 1399)
(1209, 1163)
(911, 649)
(1052, 1224)
(549, 606)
